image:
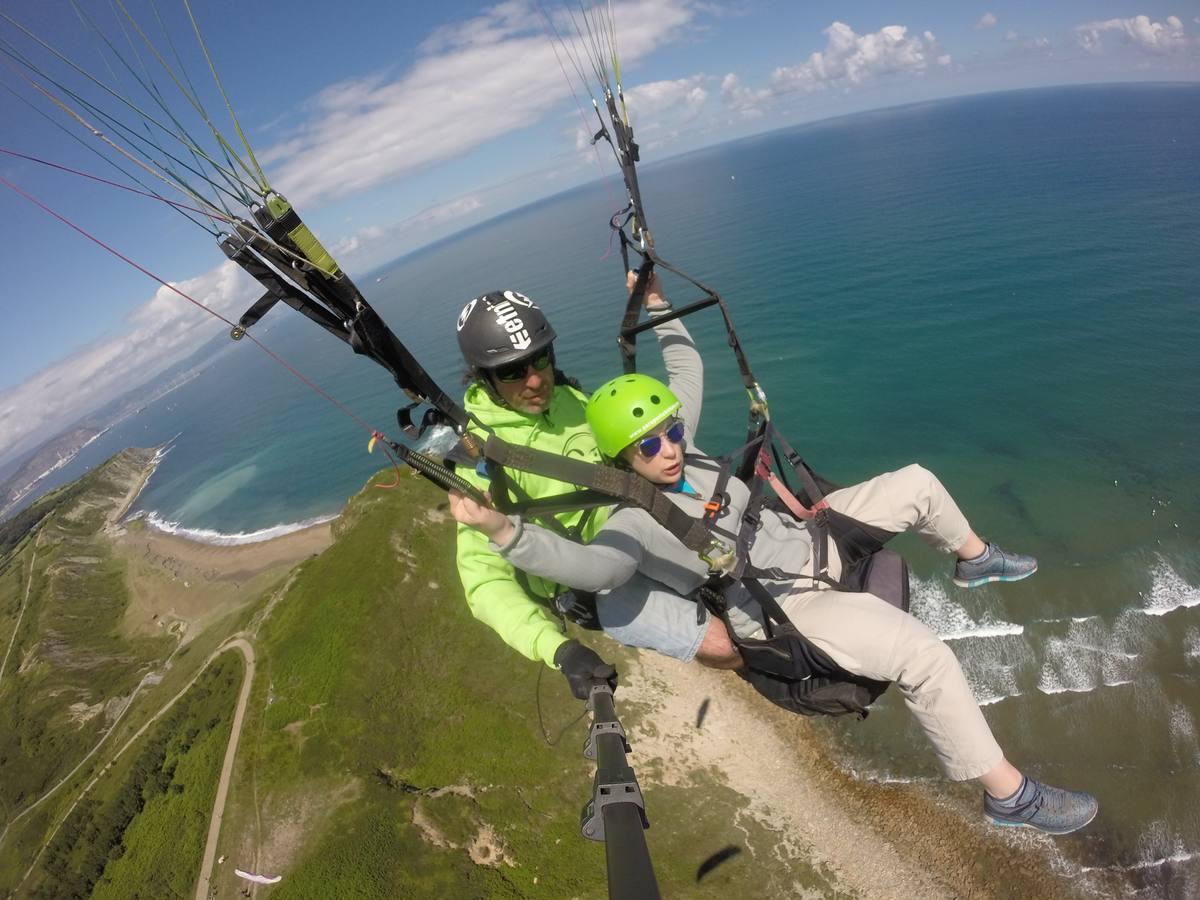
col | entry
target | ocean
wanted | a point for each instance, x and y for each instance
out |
(1003, 288)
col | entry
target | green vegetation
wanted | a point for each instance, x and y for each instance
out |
(141, 830)
(70, 664)
(15, 529)
(71, 671)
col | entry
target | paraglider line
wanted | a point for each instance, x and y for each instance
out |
(116, 184)
(208, 309)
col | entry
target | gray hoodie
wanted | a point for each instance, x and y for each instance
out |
(632, 541)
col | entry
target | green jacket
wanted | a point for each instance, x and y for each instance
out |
(493, 592)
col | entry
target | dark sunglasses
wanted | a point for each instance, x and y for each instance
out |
(650, 446)
(516, 371)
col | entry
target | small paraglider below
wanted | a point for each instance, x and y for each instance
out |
(258, 879)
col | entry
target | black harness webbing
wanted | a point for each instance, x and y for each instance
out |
(630, 327)
(616, 484)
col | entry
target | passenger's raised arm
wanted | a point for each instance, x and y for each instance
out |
(685, 369)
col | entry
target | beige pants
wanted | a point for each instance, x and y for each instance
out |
(868, 636)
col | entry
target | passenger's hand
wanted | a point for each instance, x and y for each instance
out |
(487, 519)
(583, 668)
(654, 290)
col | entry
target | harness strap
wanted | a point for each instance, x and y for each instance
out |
(808, 479)
(821, 544)
(614, 483)
(748, 533)
(763, 470)
(720, 498)
(245, 255)
(627, 337)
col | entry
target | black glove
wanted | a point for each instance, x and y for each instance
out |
(583, 668)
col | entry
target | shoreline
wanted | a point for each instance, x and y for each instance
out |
(253, 556)
(211, 537)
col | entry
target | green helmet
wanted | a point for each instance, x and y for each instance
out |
(627, 408)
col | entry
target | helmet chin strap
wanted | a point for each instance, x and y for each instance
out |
(486, 380)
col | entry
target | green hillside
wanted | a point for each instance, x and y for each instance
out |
(71, 670)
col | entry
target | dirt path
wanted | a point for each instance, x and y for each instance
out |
(25, 602)
(218, 813)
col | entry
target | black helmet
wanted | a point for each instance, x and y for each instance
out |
(501, 327)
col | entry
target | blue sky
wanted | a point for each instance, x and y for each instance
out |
(393, 124)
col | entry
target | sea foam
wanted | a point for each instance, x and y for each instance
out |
(1168, 591)
(949, 619)
(991, 651)
(220, 538)
(1091, 655)
(1191, 643)
(1183, 736)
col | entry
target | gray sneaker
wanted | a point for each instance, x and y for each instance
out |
(998, 565)
(1049, 809)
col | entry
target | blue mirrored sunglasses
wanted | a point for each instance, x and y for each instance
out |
(649, 447)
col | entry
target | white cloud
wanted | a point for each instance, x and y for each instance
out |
(659, 109)
(1163, 37)
(489, 76)
(854, 58)
(1011, 35)
(361, 239)
(987, 20)
(848, 60)
(160, 333)
(374, 244)
(657, 97)
(742, 99)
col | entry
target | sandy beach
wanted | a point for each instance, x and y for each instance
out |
(173, 579)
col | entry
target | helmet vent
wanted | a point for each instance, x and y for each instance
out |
(654, 398)
(638, 412)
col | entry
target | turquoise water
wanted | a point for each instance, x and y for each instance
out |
(1003, 288)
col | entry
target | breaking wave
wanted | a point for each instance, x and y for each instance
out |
(992, 651)
(223, 539)
(950, 620)
(1168, 592)
(1091, 655)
